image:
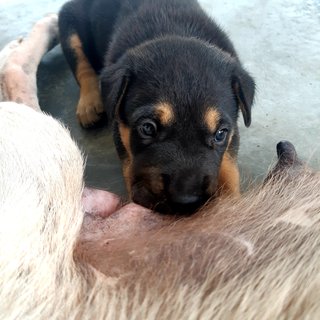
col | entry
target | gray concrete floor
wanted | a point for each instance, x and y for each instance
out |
(277, 40)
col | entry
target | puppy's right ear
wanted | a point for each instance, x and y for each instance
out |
(114, 82)
(244, 88)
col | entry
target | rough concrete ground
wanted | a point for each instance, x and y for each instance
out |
(278, 42)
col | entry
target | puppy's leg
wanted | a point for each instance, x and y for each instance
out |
(229, 178)
(90, 107)
(19, 61)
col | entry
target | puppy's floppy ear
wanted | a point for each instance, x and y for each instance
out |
(114, 81)
(243, 87)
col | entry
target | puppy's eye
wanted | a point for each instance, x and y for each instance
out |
(221, 135)
(148, 129)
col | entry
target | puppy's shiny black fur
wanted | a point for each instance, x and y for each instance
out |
(172, 84)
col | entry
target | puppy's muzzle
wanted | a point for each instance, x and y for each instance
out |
(186, 191)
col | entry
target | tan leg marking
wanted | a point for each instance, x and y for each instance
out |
(211, 119)
(127, 163)
(229, 178)
(90, 105)
(164, 111)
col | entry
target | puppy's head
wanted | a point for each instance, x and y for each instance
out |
(175, 103)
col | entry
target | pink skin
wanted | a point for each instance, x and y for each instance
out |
(100, 205)
(111, 232)
(105, 208)
(99, 202)
(104, 211)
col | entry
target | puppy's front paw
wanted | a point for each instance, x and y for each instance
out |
(90, 110)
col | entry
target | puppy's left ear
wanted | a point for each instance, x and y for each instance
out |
(243, 87)
(114, 81)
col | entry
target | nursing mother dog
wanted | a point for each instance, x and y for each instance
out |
(171, 84)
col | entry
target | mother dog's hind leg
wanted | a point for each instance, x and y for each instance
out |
(19, 61)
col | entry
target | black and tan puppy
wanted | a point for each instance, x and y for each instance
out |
(172, 84)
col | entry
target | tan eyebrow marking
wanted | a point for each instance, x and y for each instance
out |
(211, 119)
(165, 113)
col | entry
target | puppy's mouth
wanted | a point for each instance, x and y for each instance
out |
(163, 202)
(169, 207)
